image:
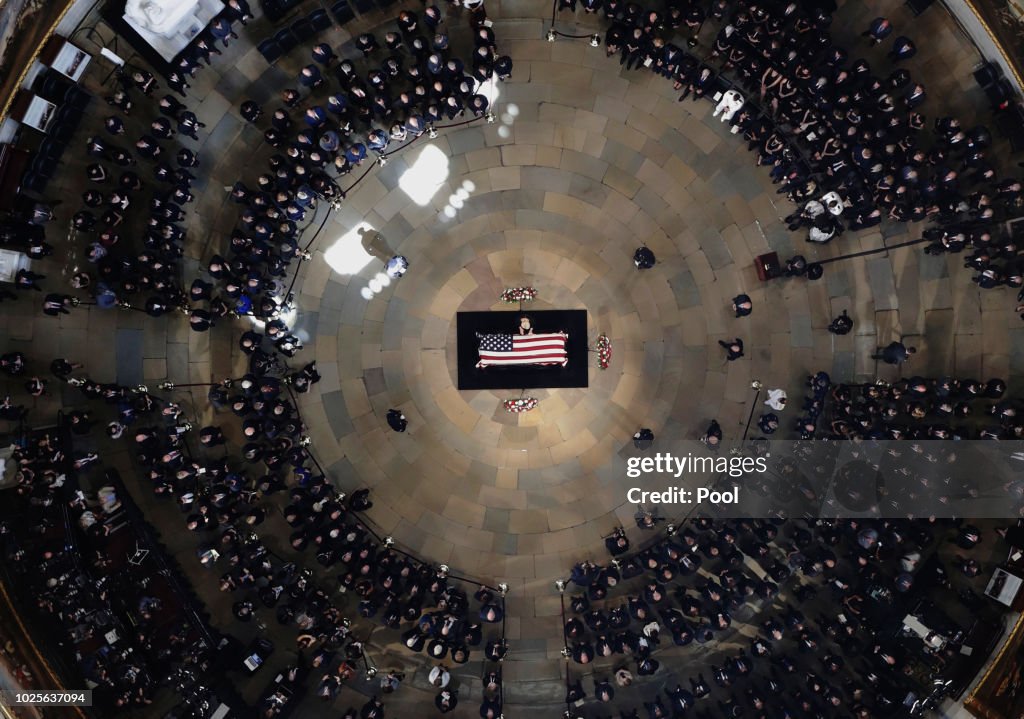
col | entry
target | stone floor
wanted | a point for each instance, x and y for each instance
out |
(583, 163)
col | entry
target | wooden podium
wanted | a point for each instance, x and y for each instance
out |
(767, 266)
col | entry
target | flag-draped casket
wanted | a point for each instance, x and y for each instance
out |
(511, 350)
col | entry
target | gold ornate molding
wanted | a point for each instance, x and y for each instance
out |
(1007, 59)
(977, 704)
(8, 89)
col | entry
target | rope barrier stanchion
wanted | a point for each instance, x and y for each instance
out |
(756, 386)
(553, 34)
(875, 251)
(560, 586)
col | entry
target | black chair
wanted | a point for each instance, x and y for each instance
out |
(77, 98)
(1010, 122)
(51, 148)
(54, 86)
(999, 92)
(45, 166)
(384, 4)
(919, 6)
(276, 10)
(33, 182)
(286, 40)
(270, 50)
(987, 74)
(303, 30)
(342, 12)
(62, 132)
(320, 20)
(67, 115)
(364, 6)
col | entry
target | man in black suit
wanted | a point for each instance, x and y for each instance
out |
(396, 420)
(643, 258)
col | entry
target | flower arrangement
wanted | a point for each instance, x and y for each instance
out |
(523, 404)
(604, 351)
(514, 295)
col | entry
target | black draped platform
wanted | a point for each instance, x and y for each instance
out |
(572, 322)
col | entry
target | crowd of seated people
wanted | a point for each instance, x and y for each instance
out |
(126, 622)
(220, 502)
(846, 142)
(223, 504)
(920, 408)
(134, 208)
(820, 597)
(345, 109)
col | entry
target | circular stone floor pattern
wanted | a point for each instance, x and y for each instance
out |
(583, 163)
(549, 209)
(581, 166)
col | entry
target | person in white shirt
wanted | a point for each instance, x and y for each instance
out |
(729, 105)
(396, 267)
(776, 399)
(439, 676)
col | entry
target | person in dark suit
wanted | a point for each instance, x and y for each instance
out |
(903, 48)
(742, 305)
(57, 304)
(643, 438)
(880, 29)
(396, 420)
(200, 320)
(841, 325)
(734, 349)
(446, 701)
(643, 258)
(894, 353)
(250, 111)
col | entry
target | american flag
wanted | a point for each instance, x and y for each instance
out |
(506, 349)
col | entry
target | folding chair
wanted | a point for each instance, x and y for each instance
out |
(286, 40)
(303, 30)
(320, 20)
(270, 50)
(342, 12)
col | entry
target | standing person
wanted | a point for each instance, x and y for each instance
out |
(26, 280)
(879, 29)
(742, 305)
(713, 436)
(391, 681)
(734, 349)
(643, 438)
(396, 266)
(768, 423)
(238, 10)
(445, 701)
(776, 399)
(56, 304)
(903, 48)
(643, 258)
(796, 266)
(894, 353)
(841, 325)
(250, 111)
(62, 368)
(396, 420)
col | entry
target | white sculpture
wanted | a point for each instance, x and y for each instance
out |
(160, 17)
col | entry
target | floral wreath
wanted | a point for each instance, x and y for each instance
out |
(523, 404)
(604, 351)
(513, 295)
